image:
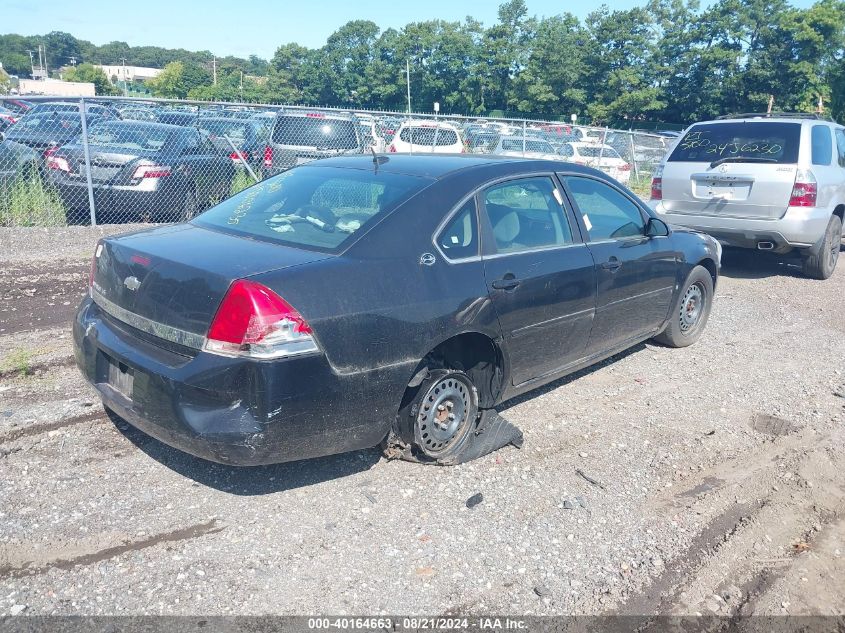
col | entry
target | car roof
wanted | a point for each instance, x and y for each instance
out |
(429, 123)
(155, 125)
(439, 166)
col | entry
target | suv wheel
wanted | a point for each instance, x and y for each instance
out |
(820, 260)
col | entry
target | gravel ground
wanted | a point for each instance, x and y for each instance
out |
(718, 469)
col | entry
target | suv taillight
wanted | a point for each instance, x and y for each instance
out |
(151, 171)
(657, 184)
(255, 322)
(805, 189)
(268, 156)
(239, 156)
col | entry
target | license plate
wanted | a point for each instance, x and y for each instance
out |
(121, 377)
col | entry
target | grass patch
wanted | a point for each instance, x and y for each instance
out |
(18, 361)
(241, 181)
(641, 186)
(27, 201)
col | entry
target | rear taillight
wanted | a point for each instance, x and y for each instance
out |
(239, 156)
(268, 156)
(805, 189)
(151, 171)
(625, 167)
(59, 163)
(392, 148)
(657, 184)
(255, 322)
(93, 270)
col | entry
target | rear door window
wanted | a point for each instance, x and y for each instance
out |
(316, 131)
(525, 214)
(822, 145)
(766, 141)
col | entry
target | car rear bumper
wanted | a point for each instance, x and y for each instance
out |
(800, 227)
(227, 410)
(119, 200)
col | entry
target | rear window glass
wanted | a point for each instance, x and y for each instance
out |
(822, 145)
(61, 120)
(767, 141)
(427, 136)
(128, 136)
(515, 145)
(234, 129)
(312, 207)
(315, 132)
(595, 152)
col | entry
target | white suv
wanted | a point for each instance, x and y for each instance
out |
(770, 182)
(427, 137)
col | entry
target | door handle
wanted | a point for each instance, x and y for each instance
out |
(612, 264)
(508, 282)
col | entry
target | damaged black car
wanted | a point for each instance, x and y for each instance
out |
(362, 300)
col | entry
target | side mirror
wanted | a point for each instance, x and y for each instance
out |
(656, 228)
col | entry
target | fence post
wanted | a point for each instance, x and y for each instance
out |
(86, 152)
(634, 158)
(601, 149)
(523, 137)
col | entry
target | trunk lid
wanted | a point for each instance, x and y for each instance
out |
(176, 276)
(735, 169)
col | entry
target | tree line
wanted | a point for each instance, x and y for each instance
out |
(669, 60)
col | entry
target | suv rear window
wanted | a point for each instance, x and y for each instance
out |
(312, 207)
(426, 136)
(764, 140)
(317, 132)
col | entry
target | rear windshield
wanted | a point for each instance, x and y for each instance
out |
(515, 145)
(55, 120)
(764, 140)
(128, 136)
(595, 152)
(235, 129)
(312, 207)
(426, 136)
(316, 132)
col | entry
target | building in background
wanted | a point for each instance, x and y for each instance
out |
(55, 88)
(128, 74)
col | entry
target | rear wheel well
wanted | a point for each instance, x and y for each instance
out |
(840, 211)
(473, 353)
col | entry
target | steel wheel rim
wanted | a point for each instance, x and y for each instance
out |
(443, 414)
(692, 307)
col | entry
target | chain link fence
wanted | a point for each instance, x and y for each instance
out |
(118, 160)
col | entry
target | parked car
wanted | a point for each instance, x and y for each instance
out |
(16, 162)
(140, 170)
(44, 127)
(18, 106)
(177, 117)
(481, 140)
(250, 137)
(7, 118)
(602, 157)
(766, 182)
(138, 114)
(529, 147)
(430, 137)
(356, 299)
(300, 137)
(370, 135)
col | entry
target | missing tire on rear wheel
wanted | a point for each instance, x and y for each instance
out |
(447, 409)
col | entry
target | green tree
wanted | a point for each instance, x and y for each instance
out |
(170, 82)
(88, 73)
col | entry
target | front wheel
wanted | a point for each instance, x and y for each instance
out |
(820, 260)
(690, 311)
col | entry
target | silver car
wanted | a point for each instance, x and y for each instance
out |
(768, 182)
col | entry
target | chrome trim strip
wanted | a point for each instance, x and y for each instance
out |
(666, 289)
(166, 332)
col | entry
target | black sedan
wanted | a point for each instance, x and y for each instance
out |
(140, 170)
(242, 140)
(352, 300)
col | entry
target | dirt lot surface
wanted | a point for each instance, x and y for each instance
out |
(718, 473)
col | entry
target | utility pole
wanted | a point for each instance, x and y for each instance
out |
(46, 71)
(214, 67)
(242, 86)
(125, 91)
(32, 62)
(408, 81)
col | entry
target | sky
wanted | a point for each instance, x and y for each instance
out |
(255, 26)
